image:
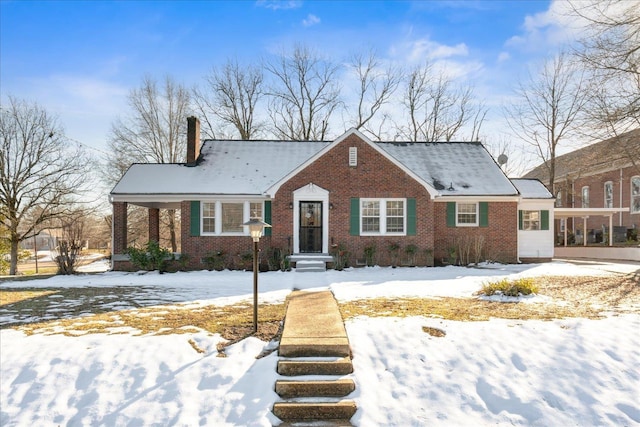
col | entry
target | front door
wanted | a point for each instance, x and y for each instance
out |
(311, 227)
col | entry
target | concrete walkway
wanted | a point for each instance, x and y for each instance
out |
(314, 358)
(313, 326)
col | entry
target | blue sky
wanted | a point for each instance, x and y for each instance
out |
(79, 59)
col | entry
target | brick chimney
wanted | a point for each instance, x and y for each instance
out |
(193, 140)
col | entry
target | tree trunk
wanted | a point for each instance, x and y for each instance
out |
(172, 229)
(13, 267)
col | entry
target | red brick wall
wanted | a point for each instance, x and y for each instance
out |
(374, 176)
(596, 197)
(198, 247)
(119, 227)
(500, 237)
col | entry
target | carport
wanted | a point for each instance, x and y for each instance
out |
(585, 213)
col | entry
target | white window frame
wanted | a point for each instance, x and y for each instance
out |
(203, 217)
(467, 224)
(608, 203)
(634, 198)
(530, 222)
(383, 217)
(246, 215)
(585, 200)
(559, 199)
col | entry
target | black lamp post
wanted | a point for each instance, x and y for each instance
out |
(256, 227)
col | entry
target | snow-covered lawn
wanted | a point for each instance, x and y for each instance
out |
(501, 372)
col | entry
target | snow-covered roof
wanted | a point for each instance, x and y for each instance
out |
(453, 168)
(252, 167)
(227, 167)
(531, 188)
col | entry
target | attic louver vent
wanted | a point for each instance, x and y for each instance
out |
(353, 156)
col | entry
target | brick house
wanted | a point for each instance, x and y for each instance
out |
(596, 186)
(439, 199)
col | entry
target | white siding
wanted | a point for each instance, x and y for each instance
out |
(536, 243)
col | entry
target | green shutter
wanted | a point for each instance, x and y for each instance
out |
(267, 217)
(354, 218)
(520, 220)
(195, 218)
(451, 214)
(411, 217)
(544, 220)
(484, 214)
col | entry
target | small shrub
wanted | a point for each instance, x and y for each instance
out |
(411, 251)
(151, 257)
(370, 255)
(340, 256)
(278, 259)
(393, 248)
(523, 286)
(183, 261)
(428, 255)
(216, 260)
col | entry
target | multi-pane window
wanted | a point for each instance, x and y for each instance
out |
(232, 214)
(383, 216)
(370, 216)
(255, 210)
(228, 217)
(531, 220)
(395, 216)
(208, 217)
(585, 197)
(608, 194)
(635, 194)
(467, 214)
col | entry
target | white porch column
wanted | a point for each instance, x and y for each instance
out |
(610, 230)
(584, 230)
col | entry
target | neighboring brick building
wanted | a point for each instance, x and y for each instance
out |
(604, 175)
(431, 201)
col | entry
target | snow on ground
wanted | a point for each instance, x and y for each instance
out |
(501, 372)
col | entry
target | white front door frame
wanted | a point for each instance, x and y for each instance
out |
(311, 193)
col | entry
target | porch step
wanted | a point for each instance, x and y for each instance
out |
(315, 366)
(311, 266)
(340, 411)
(314, 388)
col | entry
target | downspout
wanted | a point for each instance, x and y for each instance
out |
(620, 214)
(112, 230)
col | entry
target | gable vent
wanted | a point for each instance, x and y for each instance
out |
(353, 156)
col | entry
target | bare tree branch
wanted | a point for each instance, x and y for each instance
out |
(548, 109)
(233, 95)
(304, 96)
(42, 173)
(153, 132)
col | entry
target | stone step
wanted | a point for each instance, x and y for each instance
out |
(315, 366)
(304, 347)
(341, 410)
(306, 266)
(314, 388)
(317, 423)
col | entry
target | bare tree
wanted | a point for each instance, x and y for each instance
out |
(375, 88)
(609, 48)
(508, 155)
(232, 94)
(154, 131)
(70, 243)
(304, 95)
(547, 109)
(437, 108)
(42, 172)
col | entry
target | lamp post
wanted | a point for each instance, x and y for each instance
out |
(256, 227)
